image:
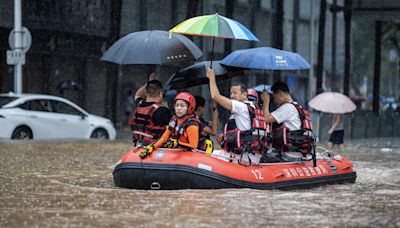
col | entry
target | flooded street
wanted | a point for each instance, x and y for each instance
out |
(69, 184)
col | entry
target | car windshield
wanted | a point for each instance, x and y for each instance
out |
(6, 99)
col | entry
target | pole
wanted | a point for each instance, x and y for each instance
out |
(321, 39)
(377, 67)
(347, 54)
(333, 57)
(18, 45)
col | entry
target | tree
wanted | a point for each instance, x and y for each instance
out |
(112, 71)
(321, 40)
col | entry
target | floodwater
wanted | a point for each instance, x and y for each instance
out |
(69, 184)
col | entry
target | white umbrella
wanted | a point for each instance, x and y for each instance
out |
(331, 102)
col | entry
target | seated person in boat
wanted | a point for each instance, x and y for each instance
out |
(150, 118)
(183, 128)
(206, 129)
(244, 133)
(291, 123)
(252, 96)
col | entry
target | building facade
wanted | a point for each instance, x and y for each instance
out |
(70, 36)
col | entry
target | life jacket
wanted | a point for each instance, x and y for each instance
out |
(253, 140)
(301, 140)
(143, 128)
(178, 131)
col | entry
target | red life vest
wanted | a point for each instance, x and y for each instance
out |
(253, 140)
(178, 131)
(143, 128)
(301, 140)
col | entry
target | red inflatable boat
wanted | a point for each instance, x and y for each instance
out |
(170, 169)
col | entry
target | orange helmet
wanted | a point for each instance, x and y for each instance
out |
(252, 95)
(189, 98)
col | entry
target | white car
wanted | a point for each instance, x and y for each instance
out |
(35, 116)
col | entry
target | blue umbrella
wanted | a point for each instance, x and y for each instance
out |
(266, 58)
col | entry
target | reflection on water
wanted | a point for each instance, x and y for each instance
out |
(70, 184)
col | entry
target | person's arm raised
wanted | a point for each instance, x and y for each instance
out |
(215, 94)
(266, 99)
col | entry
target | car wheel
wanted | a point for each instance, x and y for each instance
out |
(99, 133)
(22, 133)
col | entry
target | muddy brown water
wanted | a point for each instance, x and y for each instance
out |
(69, 184)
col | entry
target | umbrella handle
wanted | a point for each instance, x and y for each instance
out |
(212, 52)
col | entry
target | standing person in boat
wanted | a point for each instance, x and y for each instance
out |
(206, 129)
(291, 124)
(150, 118)
(336, 132)
(238, 139)
(183, 128)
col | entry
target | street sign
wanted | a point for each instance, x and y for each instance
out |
(15, 57)
(26, 39)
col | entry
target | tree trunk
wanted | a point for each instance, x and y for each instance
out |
(253, 10)
(377, 67)
(321, 40)
(229, 8)
(295, 20)
(347, 48)
(277, 30)
(112, 71)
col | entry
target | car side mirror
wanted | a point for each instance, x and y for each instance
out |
(83, 116)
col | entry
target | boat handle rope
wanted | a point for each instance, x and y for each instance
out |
(155, 186)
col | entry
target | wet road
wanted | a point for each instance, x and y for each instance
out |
(69, 184)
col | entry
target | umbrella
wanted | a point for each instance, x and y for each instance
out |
(215, 26)
(152, 47)
(266, 58)
(195, 75)
(332, 102)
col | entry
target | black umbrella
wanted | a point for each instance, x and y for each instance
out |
(196, 75)
(152, 47)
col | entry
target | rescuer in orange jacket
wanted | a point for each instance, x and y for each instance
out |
(183, 128)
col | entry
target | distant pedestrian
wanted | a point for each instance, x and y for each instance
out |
(336, 132)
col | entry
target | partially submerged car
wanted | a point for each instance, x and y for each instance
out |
(36, 116)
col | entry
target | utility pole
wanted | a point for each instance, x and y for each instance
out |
(18, 46)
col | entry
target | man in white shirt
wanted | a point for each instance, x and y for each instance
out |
(286, 113)
(240, 117)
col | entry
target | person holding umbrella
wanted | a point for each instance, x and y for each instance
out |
(245, 131)
(336, 104)
(336, 132)
(291, 124)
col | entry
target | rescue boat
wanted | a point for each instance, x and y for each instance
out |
(170, 169)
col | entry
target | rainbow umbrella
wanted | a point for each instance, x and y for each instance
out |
(215, 26)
